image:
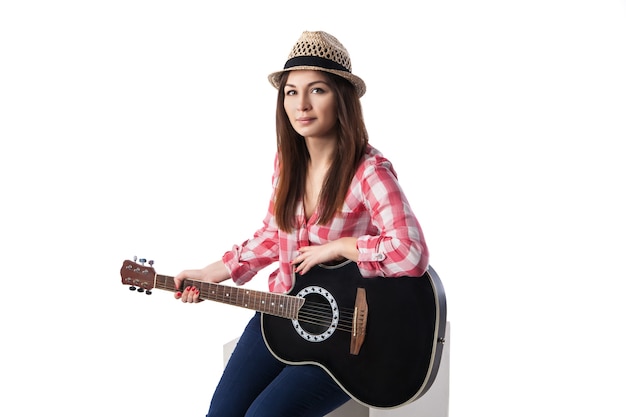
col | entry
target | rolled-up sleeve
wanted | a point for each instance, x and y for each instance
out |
(395, 246)
(246, 260)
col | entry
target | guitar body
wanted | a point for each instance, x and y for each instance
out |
(400, 354)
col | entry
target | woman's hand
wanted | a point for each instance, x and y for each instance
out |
(215, 272)
(189, 294)
(309, 256)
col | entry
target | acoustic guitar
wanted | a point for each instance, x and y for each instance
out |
(381, 338)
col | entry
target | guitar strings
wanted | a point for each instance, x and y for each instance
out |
(321, 314)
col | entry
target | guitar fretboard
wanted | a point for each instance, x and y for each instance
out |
(280, 305)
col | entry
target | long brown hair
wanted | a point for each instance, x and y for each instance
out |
(352, 140)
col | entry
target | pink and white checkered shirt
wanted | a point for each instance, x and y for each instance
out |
(376, 212)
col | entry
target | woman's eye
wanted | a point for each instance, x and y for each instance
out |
(290, 92)
(317, 90)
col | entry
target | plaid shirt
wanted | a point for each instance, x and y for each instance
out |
(376, 212)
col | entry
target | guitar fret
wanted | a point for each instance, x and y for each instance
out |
(272, 304)
(293, 311)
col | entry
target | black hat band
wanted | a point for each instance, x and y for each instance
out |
(314, 61)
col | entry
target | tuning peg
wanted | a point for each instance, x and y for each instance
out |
(142, 261)
(151, 262)
(132, 288)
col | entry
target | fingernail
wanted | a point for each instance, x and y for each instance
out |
(179, 294)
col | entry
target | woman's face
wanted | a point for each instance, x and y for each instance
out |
(310, 104)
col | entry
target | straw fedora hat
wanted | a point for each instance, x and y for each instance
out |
(322, 52)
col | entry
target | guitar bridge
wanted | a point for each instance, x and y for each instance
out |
(359, 322)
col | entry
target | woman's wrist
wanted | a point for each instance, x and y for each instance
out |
(348, 249)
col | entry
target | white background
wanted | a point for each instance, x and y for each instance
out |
(147, 128)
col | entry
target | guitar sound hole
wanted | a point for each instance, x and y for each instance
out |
(318, 318)
(316, 315)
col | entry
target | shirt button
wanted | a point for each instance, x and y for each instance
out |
(379, 256)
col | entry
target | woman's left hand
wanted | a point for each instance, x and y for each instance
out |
(309, 256)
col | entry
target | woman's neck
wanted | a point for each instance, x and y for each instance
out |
(321, 153)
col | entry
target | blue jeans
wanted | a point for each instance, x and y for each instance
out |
(256, 384)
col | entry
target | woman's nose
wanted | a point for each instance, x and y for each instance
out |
(303, 103)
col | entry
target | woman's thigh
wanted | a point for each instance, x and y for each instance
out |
(250, 368)
(302, 391)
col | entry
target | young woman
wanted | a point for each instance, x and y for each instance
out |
(335, 197)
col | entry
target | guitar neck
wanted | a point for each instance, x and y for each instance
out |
(280, 305)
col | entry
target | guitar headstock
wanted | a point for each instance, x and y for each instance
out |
(139, 276)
